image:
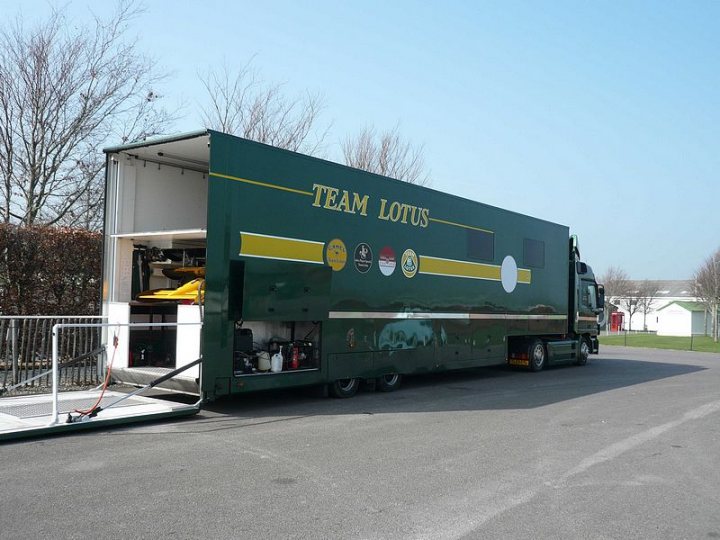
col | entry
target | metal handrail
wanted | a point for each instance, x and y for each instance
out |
(55, 342)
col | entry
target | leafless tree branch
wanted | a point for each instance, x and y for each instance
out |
(706, 287)
(617, 285)
(647, 298)
(241, 104)
(386, 154)
(63, 95)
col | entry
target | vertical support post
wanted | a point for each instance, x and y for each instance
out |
(13, 350)
(101, 361)
(55, 331)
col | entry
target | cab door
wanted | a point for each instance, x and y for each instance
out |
(587, 309)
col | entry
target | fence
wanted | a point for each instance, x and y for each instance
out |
(693, 342)
(59, 329)
(26, 353)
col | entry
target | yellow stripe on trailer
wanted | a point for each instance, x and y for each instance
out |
(262, 184)
(453, 268)
(277, 247)
(465, 269)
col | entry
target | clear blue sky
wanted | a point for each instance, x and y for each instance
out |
(602, 116)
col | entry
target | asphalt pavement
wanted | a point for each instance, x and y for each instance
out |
(625, 447)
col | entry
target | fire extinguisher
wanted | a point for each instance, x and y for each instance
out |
(295, 357)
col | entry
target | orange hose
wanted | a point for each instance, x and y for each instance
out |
(85, 412)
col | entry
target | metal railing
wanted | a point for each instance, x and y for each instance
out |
(59, 329)
(26, 353)
(640, 338)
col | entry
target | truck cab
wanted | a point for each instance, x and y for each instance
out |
(587, 303)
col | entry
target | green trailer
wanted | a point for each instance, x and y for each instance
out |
(307, 272)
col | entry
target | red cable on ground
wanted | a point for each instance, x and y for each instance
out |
(85, 412)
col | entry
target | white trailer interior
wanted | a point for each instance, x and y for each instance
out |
(156, 200)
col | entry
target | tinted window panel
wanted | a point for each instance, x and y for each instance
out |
(481, 245)
(534, 253)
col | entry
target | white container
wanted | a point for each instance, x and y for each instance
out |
(276, 362)
(264, 361)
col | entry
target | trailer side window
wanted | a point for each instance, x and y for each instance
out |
(533, 253)
(480, 245)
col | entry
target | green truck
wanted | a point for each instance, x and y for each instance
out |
(304, 272)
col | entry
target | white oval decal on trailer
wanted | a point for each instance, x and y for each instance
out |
(509, 274)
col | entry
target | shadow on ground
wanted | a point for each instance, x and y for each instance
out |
(496, 388)
(480, 389)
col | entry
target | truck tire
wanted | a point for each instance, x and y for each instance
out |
(583, 351)
(389, 382)
(537, 355)
(344, 388)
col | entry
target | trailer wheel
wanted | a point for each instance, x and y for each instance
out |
(537, 355)
(583, 352)
(389, 382)
(344, 388)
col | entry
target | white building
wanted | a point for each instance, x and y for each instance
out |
(683, 319)
(667, 292)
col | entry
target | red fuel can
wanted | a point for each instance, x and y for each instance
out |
(295, 357)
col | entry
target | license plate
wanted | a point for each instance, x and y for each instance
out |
(518, 362)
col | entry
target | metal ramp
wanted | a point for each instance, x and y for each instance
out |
(59, 412)
(140, 376)
(31, 416)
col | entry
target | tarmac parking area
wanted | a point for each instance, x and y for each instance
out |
(625, 447)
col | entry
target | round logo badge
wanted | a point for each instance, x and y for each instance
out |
(386, 261)
(336, 254)
(363, 257)
(409, 263)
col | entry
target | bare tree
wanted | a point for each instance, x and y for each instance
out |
(630, 302)
(386, 154)
(64, 92)
(241, 104)
(647, 298)
(706, 287)
(616, 282)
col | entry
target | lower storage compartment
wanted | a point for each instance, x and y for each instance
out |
(152, 346)
(275, 347)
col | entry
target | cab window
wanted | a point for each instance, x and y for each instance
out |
(588, 295)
